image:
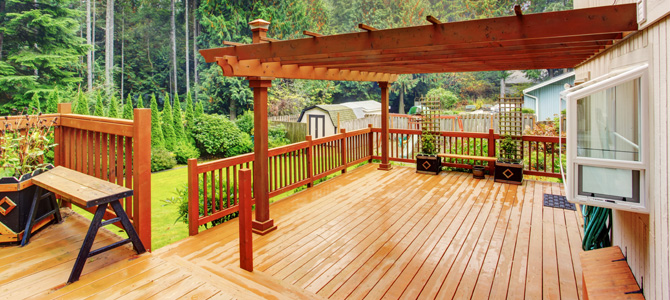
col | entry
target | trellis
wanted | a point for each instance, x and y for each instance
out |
(511, 123)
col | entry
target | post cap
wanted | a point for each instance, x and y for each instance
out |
(259, 24)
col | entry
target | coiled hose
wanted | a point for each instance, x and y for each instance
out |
(597, 224)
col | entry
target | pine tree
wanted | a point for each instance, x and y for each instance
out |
(81, 106)
(113, 107)
(199, 110)
(168, 124)
(140, 101)
(189, 111)
(52, 102)
(156, 128)
(99, 107)
(128, 108)
(178, 121)
(35, 104)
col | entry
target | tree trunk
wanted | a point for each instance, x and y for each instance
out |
(89, 54)
(401, 105)
(186, 54)
(173, 37)
(123, 45)
(93, 40)
(109, 46)
(195, 49)
(2, 33)
(232, 107)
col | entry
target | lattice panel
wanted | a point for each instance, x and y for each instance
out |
(511, 121)
(431, 109)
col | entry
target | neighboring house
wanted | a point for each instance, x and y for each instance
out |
(620, 141)
(363, 108)
(322, 120)
(544, 97)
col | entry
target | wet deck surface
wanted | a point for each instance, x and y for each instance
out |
(368, 234)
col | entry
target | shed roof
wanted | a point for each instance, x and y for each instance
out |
(550, 40)
(367, 106)
(550, 81)
(332, 110)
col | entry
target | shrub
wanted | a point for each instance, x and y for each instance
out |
(185, 150)
(128, 108)
(447, 98)
(246, 122)
(216, 135)
(156, 128)
(161, 159)
(81, 106)
(277, 136)
(35, 103)
(181, 202)
(168, 124)
(178, 120)
(52, 102)
(113, 107)
(99, 107)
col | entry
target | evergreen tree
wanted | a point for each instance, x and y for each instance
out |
(140, 101)
(178, 121)
(199, 110)
(35, 104)
(113, 107)
(156, 128)
(99, 107)
(81, 107)
(128, 108)
(168, 124)
(189, 110)
(52, 102)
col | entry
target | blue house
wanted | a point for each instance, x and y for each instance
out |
(544, 97)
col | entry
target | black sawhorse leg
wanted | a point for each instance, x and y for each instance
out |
(96, 223)
(40, 195)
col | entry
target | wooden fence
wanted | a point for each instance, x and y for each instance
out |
(213, 187)
(295, 132)
(115, 150)
(286, 118)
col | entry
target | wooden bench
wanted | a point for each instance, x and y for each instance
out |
(606, 275)
(89, 191)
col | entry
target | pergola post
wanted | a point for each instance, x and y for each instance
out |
(385, 165)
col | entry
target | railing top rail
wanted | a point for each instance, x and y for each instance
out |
(288, 148)
(99, 119)
(327, 139)
(101, 124)
(358, 132)
(225, 162)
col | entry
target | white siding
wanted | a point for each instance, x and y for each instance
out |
(644, 238)
(655, 9)
(311, 128)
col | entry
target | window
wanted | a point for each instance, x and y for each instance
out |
(607, 152)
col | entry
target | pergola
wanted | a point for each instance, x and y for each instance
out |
(536, 41)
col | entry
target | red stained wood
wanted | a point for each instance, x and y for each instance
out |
(246, 241)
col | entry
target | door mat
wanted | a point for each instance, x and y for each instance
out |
(558, 201)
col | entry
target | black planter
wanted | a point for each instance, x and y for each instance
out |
(509, 172)
(428, 164)
(15, 206)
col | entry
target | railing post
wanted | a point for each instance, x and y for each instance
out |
(59, 155)
(310, 171)
(193, 197)
(492, 149)
(385, 165)
(142, 175)
(246, 239)
(343, 151)
(370, 143)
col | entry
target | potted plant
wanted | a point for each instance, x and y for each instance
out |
(24, 142)
(509, 169)
(427, 161)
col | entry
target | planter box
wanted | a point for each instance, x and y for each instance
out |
(478, 172)
(428, 164)
(508, 173)
(16, 195)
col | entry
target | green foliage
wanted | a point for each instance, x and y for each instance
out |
(128, 109)
(447, 98)
(52, 102)
(185, 150)
(140, 101)
(99, 107)
(216, 135)
(35, 104)
(199, 110)
(24, 143)
(181, 202)
(178, 124)
(508, 149)
(157, 140)
(168, 125)
(277, 136)
(113, 107)
(162, 159)
(246, 122)
(190, 113)
(428, 144)
(81, 106)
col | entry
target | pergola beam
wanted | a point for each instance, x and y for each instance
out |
(597, 20)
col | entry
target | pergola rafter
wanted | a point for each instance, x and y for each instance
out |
(551, 40)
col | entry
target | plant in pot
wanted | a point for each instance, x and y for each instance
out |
(509, 168)
(427, 161)
(25, 143)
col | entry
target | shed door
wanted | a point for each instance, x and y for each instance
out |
(317, 126)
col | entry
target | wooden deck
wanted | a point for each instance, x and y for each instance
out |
(366, 235)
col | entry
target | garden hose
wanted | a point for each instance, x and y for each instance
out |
(597, 224)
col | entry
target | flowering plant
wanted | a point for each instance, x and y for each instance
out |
(24, 142)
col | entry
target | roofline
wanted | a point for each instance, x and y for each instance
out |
(548, 82)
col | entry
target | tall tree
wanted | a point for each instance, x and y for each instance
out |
(186, 53)
(2, 20)
(195, 47)
(113, 111)
(168, 124)
(99, 107)
(52, 102)
(128, 109)
(189, 111)
(109, 47)
(173, 37)
(178, 120)
(156, 128)
(89, 54)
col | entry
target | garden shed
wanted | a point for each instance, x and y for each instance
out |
(323, 120)
(543, 97)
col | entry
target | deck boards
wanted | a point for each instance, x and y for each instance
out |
(367, 234)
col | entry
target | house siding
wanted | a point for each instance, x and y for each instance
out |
(644, 238)
(548, 96)
(329, 127)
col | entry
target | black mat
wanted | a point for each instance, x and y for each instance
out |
(558, 201)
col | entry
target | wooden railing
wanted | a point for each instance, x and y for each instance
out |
(115, 150)
(213, 187)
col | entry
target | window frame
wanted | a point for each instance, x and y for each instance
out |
(573, 185)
